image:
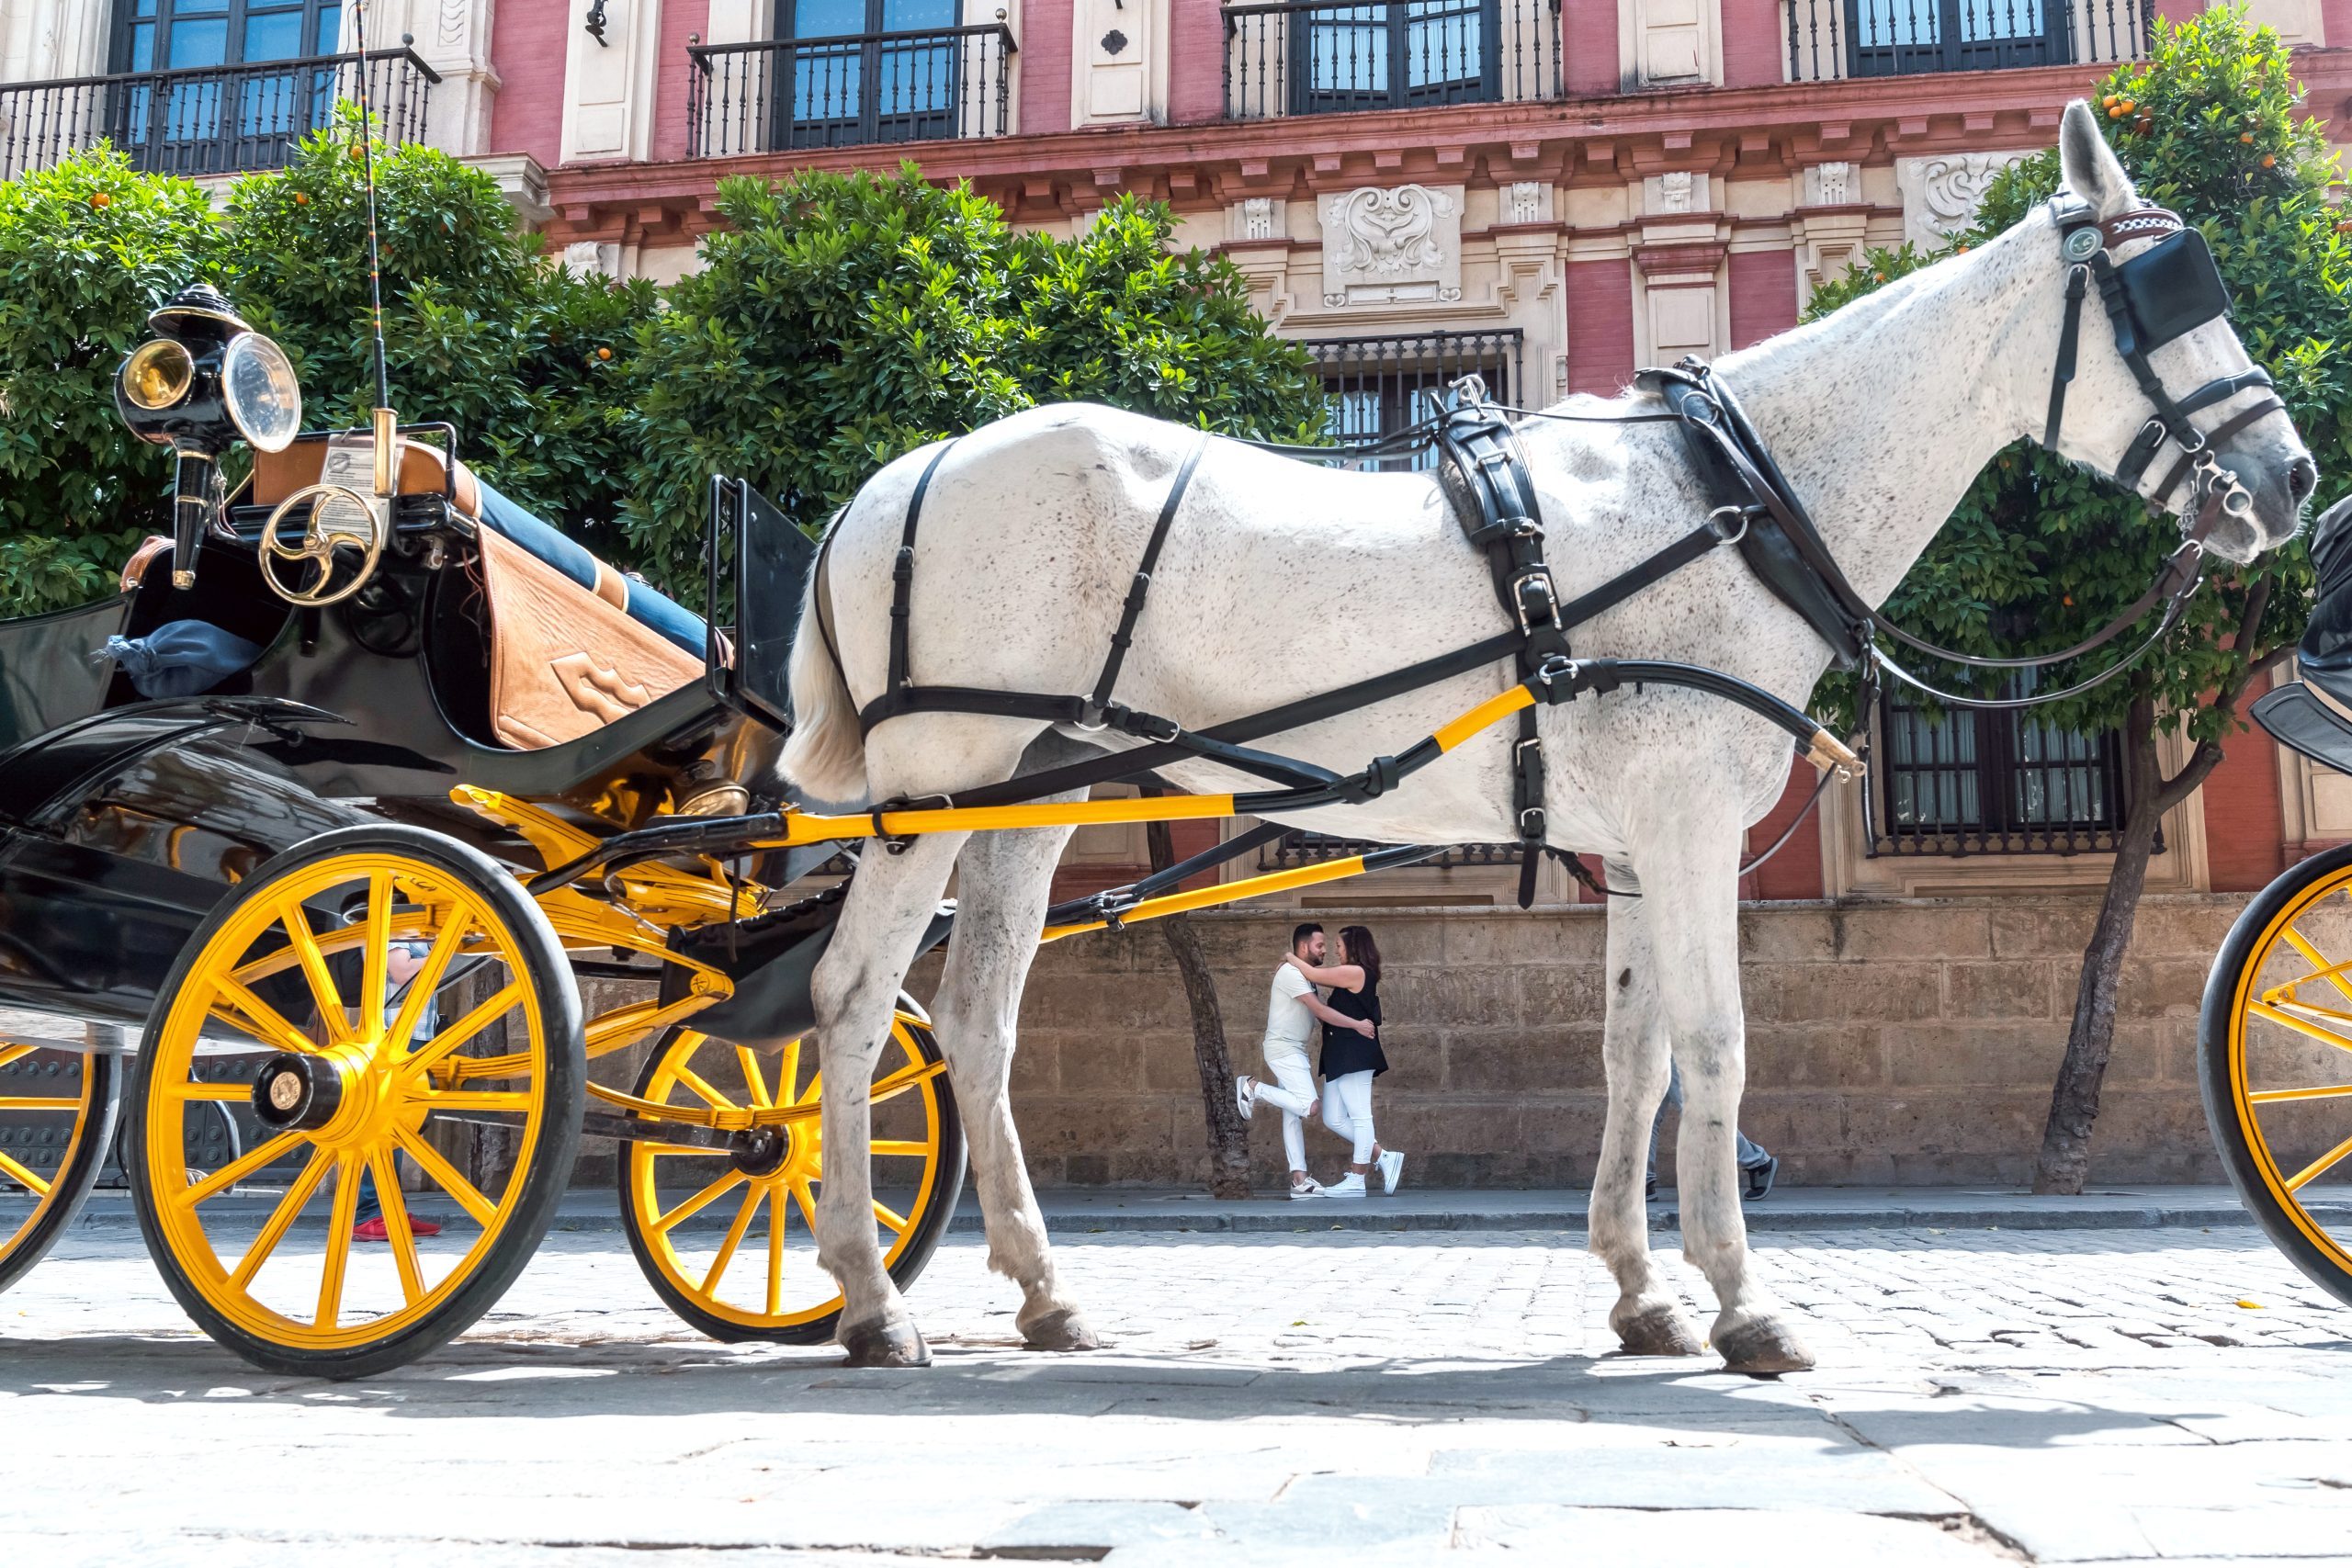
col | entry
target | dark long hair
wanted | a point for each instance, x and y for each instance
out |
(1363, 950)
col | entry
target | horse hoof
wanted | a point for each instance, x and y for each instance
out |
(1761, 1348)
(1062, 1329)
(1661, 1331)
(885, 1345)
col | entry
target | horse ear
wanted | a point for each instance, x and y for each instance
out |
(2088, 164)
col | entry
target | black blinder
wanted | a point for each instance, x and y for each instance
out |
(2172, 288)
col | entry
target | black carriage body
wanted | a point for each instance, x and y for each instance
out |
(123, 821)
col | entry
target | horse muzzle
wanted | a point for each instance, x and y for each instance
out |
(2274, 476)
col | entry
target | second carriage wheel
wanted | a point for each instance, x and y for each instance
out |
(394, 1002)
(57, 1111)
(2275, 1061)
(725, 1237)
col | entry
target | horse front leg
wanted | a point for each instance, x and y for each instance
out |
(1647, 1319)
(856, 990)
(1689, 882)
(1005, 884)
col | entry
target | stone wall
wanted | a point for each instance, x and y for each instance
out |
(1905, 1044)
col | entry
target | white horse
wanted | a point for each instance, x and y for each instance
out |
(1282, 579)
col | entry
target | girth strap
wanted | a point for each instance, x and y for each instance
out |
(1132, 611)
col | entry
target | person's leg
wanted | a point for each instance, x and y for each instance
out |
(1347, 1111)
(1294, 1093)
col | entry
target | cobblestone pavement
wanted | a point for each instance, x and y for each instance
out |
(1985, 1396)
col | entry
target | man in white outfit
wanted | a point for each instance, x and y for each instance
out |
(1293, 1006)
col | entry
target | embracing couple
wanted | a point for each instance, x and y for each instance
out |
(1350, 1016)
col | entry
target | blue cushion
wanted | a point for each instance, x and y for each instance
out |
(646, 605)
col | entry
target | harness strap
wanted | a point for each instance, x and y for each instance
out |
(2077, 285)
(902, 584)
(1133, 611)
(2259, 408)
(2155, 433)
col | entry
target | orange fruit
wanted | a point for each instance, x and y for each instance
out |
(301, 198)
(2269, 162)
(604, 354)
(100, 198)
(2247, 137)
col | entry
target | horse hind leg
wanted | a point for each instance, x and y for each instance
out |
(1691, 885)
(1004, 885)
(856, 990)
(1648, 1319)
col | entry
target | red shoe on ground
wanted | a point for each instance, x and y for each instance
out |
(377, 1230)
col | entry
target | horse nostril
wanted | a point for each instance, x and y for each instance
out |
(2303, 478)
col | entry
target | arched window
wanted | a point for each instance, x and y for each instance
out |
(236, 106)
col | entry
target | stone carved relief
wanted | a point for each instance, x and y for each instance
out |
(1674, 191)
(586, 258)
(1258, 218)
(1830, 184)
(1526, 202)
(1940, 194)
(1392, 245)
(455, 13)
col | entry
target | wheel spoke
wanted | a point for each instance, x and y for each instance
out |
(424, 1056)
(908, 1146)
(445, 1176)
(2331, 972)
(236, 1170)
(38, 1103)
(428, 979)
(2326, 1091)
(281, 1220)
(2296, 1182)
(229, 1091)
(709, 1095)
(749, 1206)
(261, 1021)
(697, 1204)
(2289, 1021)
(889, 1216)
(395, 1203)
(19, 1174)
(323, 990)
(806, 1202)
(814, 1091)
(775, 1252)
(15, 1053)
(475, 1099)
(340, 1219)
(787, 1073)
(376, 962)
(752, 1077)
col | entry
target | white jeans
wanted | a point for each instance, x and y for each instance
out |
(1287, 1061)
(1347, 1111)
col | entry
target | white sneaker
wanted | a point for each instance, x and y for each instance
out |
(1349, 1185)
(1245, 1092)
(1310, 1187)
(1392, 1166)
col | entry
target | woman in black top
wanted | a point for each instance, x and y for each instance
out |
(1351, 1060)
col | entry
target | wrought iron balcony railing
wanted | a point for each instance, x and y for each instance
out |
(789, 93)
(1314, 57)
(208, 119)
(1831, 38)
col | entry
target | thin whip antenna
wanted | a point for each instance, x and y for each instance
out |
(375, 251)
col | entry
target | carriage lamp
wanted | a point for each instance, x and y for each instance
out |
(208, 379)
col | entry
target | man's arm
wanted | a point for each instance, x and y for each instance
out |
(1329, 1015)
(1347, 976)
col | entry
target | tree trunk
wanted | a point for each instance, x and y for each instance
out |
(1228, 1142)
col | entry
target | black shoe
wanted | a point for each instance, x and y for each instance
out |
(1649, 1190)
(1759, 1176)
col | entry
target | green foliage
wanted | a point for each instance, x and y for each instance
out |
(483, 334)
(2040, 553)
(844, 320)
(87, 247)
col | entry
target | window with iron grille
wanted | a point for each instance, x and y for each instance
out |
(251, 77)
(1377, 386)
(1966, 782)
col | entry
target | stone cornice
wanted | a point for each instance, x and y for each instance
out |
(1739, 132)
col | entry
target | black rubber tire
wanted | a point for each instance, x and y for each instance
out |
(946, 1186)
(2329, 1267)
(76, 1174)
(564, 1092)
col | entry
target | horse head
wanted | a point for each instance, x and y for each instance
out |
(2160, 394)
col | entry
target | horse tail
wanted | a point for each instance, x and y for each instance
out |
(824, 757)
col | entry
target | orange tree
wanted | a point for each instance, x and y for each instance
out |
(2040, 553)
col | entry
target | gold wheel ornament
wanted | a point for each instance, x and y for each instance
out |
(340, 520)
(57, 1113)
(357, 1078)
(2275, 1062)
(726, 1237)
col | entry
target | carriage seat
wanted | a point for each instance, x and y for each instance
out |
(278, 475)
(573, 643)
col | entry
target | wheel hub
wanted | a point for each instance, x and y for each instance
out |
(298, 1093)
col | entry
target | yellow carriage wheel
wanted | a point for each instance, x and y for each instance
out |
(354, 1077)
(57, 1110)
(725, 1237)
(2275, 1060)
